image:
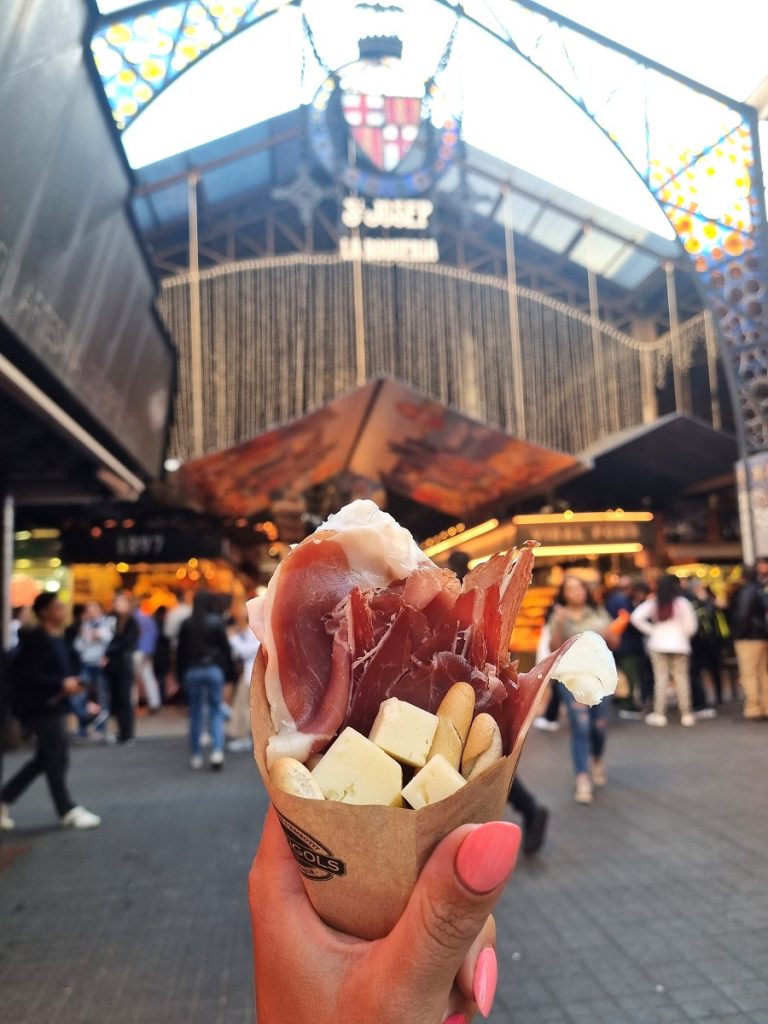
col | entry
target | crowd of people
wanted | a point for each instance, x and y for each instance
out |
(676, 638)
(96, 670)
(673, 638)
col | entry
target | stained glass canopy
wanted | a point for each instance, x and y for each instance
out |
(694, 151)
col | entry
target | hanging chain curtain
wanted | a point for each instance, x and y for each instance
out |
(278, 340)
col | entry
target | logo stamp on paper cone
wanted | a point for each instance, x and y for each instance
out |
(315, 860)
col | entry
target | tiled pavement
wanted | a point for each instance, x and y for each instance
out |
(650, 907)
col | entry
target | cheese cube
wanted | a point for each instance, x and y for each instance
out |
(404, 731)
(355, 771)
(437, 780)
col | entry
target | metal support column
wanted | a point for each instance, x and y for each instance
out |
(6, 567)
(195, 327)
(674, 335)
(518, 392)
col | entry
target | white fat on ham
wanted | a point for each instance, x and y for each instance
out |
(587, 668)
(379, 551)
(378, 548)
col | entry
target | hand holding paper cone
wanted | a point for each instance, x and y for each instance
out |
(426, 968)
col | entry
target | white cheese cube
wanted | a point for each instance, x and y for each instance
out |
(404, 731)
(436, 780)
(355, 771)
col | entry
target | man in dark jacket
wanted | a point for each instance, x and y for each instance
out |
(42, 680)
(750, 639)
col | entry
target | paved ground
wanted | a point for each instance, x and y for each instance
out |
(650, 907)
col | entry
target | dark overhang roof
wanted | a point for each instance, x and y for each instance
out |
(653, 464)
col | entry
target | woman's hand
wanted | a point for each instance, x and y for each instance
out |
(437, 963)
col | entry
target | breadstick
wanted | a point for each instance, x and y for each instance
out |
(483, 747)
(293, 777)
(454, 719)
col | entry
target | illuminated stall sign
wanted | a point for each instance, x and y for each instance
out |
(570, 533)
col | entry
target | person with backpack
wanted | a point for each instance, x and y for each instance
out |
(204, 662)
(750, 639)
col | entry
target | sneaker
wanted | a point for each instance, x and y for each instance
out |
(688, 720)
(196, 762)
(110, 739)
(655, 719)
(101, 718)
(80, 818)
(545, 725)
(534, 831)
(704, 714)
(597, 771)
(6, 821)
(583, 792)
(217, 761)
(631, 714)
(239, 746)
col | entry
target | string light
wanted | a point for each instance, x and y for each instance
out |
(573, 551)
(439, 329)
(611, 516)
(456, 539)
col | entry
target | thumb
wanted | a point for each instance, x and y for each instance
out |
(456, 891)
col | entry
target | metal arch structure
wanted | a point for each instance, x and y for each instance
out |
(695, 150)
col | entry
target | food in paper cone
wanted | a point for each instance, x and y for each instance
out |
(386, 708)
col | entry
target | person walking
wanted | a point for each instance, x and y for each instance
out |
(535, 817)
(143, 659)
(118, 666)
(631, 658)
(90, 643)
(750, 640)
(21, 616)
(576, 610)
(42, 681)
(244, 647)
(668, 621)
(204, 662)
(161, 660)
(712, 635)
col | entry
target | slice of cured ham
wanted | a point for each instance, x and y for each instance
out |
(356, 613)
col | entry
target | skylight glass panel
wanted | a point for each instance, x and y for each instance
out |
(554, 231)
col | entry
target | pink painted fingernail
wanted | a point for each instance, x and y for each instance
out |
(487, 855)
(455, 1018)
(484, 980)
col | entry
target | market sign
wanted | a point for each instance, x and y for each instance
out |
(133, 546)
(580, 533)
(406, 216)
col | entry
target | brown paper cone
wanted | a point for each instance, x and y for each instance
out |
(359, 864)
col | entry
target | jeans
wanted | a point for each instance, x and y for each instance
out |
(77, 705)
(205, 684)
(588, 727)
(51, 759)
(96, 680)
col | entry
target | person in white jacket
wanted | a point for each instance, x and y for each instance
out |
(669, 622)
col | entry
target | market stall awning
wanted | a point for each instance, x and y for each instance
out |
(380, 435)
(654, 463)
